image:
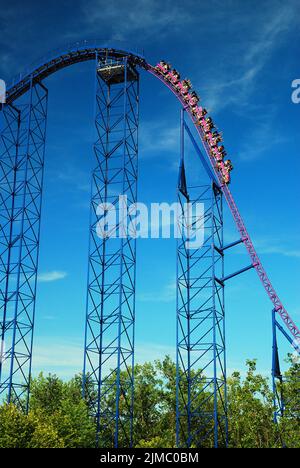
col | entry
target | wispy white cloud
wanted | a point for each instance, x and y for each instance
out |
(260, 139)
(50, 276)
(166, 294)
(234, 80)
(64, 357)
(277, 250)
(286, 248)
(70, 176)
(147, 351)
(157, 138)
(149, 19)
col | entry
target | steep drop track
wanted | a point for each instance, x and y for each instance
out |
(81, 52)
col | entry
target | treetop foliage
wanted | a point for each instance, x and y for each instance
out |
(60, 418)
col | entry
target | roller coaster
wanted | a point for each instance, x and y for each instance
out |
(110, 312)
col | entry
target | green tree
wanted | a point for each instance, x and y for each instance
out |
(18, 430)
(289, 424)
(155, 404)
(62, 404)
(250, 410)
(60, 417)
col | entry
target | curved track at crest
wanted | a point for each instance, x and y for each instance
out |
(84, 52)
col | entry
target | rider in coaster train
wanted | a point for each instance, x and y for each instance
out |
(173, 76)
(213, 139)
(203, 121)
(184, 86)
(193, 99)
(226, 170)
(218, 153)
(163, 66)
(207, 124)
(199, 112)
(228, 164)
(220, 166)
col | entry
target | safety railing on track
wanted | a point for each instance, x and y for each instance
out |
(73, 47)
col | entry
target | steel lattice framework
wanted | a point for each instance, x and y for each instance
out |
(109, 348)
(201, 409)
(286, 404)
(108, 382)
(22, 167)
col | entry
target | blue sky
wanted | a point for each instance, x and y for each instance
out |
(242, 57)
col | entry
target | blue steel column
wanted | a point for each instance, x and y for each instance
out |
(276, 375)
(10, 134)
(109, 344)
(286, 387)
(201, 407)
(22, 168)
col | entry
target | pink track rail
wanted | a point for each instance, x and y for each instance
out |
(257, 264)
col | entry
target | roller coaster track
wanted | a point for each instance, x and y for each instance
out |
(81, 52)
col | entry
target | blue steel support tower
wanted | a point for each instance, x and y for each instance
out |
(21, 178)
(201, 360)
(109, 343)
(285, 397)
